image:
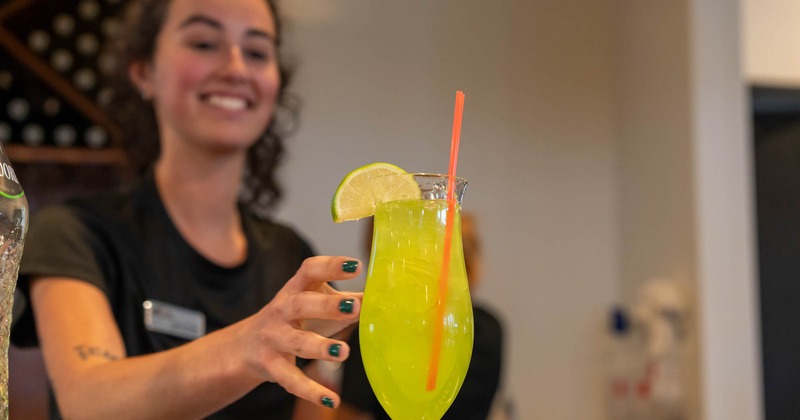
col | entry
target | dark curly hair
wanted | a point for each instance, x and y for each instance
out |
(135, 41)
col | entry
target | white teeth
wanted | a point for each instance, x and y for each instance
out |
(227, 102)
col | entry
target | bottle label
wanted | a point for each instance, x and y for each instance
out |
(9, 184)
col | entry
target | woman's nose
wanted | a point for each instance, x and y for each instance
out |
(235, 66)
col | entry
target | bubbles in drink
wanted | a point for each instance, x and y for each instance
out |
(400, 310)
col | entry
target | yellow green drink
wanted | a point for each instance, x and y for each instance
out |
(400, 306)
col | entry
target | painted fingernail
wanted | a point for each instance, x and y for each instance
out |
(333, 350)
(350, 266)
(327, 402)
(346, 306)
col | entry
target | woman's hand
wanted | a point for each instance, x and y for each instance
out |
(297, 323)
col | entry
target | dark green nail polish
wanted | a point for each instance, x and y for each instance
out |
(327, 402)
(333, 350)
(350, 266)
(346, 306)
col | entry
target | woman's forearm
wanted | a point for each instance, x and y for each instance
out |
(187, 382)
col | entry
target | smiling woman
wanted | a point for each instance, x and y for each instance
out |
(176, 296)
(211, 72)
(132, 105)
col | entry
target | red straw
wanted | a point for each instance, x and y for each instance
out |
(438, 325)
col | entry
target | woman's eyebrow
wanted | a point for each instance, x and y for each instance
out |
(260, 34)
(201, 19)
(209, 21)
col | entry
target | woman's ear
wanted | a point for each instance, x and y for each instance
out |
(139, 73)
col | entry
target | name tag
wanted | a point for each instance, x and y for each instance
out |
(167, 318)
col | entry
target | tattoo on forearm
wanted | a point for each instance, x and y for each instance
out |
(85, 352)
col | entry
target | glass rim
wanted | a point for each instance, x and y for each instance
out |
(424, 175)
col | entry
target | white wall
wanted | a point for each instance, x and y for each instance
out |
(378, 80)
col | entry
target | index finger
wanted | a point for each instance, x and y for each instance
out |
(323, 269)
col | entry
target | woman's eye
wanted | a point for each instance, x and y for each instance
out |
(258, 55)
(203, 45)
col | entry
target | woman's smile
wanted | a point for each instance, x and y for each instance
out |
(227, 102)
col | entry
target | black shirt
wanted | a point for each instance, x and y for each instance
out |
(125, 244)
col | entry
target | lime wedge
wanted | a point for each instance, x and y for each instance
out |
(355, 197)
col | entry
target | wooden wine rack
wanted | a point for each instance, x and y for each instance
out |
(18, 18)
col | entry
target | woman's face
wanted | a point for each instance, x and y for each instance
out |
(213, 78)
